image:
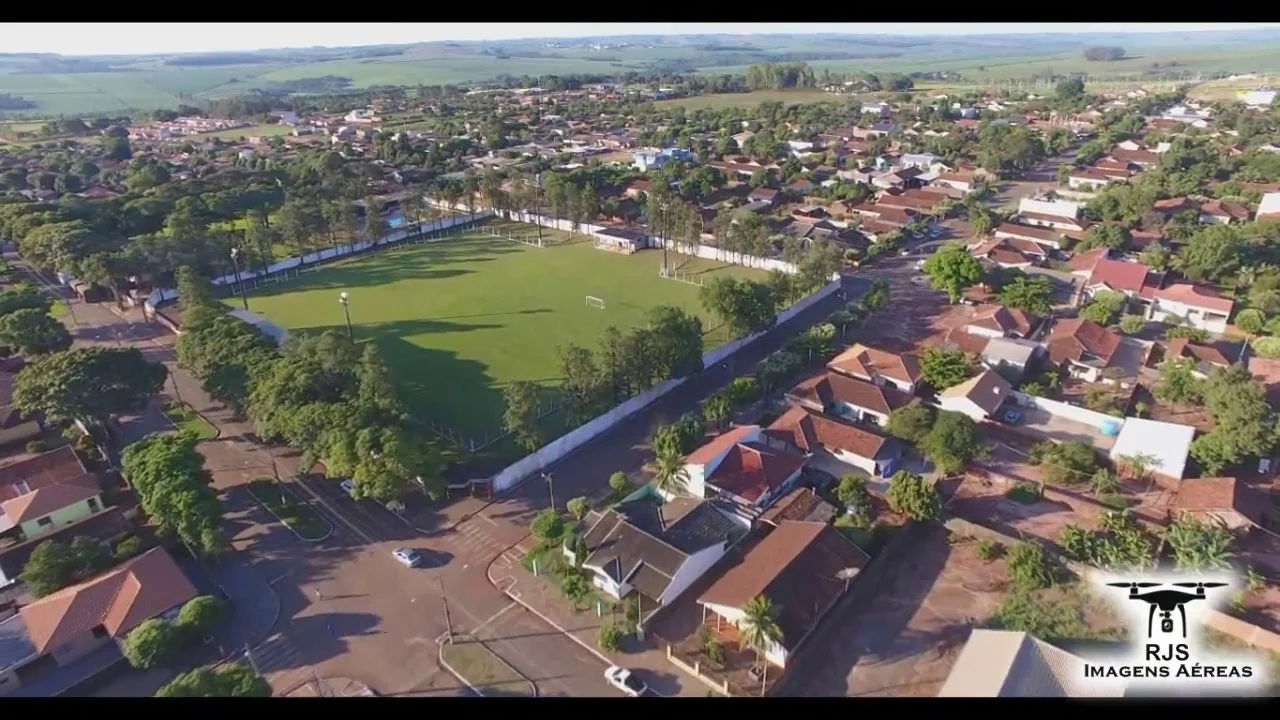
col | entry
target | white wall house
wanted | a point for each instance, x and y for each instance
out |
(1196, 307)
(656, 548)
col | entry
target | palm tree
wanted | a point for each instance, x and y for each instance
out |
(758, 627)
(669, 473)
(412, 206)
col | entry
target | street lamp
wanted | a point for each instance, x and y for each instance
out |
(235, 255)
(345, 299)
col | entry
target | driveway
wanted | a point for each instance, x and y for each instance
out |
(902, 639)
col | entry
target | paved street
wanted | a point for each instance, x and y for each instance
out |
(374, 620)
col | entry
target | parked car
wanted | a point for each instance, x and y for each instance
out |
(407, 557)
(625, 680)
(348, 487)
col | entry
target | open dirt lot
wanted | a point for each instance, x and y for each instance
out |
(903, 639)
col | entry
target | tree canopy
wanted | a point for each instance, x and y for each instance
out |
(953, 270)
(88, 384)
(175, 489)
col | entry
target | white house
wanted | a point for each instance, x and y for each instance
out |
(979, 397)
(1198, 306)
(879, 108)
(1088, 180)
(657, 549)
(739, 466)
(803, 568)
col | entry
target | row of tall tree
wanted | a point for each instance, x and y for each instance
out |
(332, 399)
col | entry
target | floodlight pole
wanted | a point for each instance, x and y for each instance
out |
(235, 262)
(345, 300)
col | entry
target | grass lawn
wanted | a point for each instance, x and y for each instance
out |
(295, 514)
(458, 319)
(485, 671)
(240, 133)
(186, 419)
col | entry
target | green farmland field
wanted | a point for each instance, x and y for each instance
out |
(458, 319)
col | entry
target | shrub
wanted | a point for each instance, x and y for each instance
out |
(1029, 568)
(989, 550)
(743, 390)
(577, 507)
(1024, 493)
(201, 614)
(714, 652)
(913, 496)
(127, 548)
(610, 638)
(547, 526)
(619, 483)
(35, 447)
(150, 644)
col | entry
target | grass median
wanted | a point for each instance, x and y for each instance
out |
(291, 511)
(483, 670)
(189, 420)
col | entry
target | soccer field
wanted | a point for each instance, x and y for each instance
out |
(459, 318)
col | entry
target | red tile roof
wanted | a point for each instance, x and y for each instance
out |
(866, 362)
(1183, 347)
(810, 431)
(1071, 339)
(987, 390)
(1197, 296)
(119, 600)
(1042, 234)
(1084, 262)
(1225, 209)
(1118, 275)
(40, 471)
(829, 387)
(752, 470)
(1003, 319)
(717, 445)
(802, 567)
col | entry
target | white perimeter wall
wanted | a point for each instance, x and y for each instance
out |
(511, 475)
(1070, 412)
(391, 238)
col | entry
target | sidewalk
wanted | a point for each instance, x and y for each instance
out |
(541, 597)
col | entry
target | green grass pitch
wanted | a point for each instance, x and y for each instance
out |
(458, 319)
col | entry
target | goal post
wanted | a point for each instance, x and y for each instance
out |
(595, 302)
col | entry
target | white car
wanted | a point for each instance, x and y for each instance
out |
(348, 487)
(625, 681)
(408, 557)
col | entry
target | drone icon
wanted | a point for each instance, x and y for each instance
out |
(1167, 601)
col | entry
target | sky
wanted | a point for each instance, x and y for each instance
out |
(148, 38)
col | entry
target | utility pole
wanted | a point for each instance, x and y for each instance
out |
(551, 488)
(448, 624)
